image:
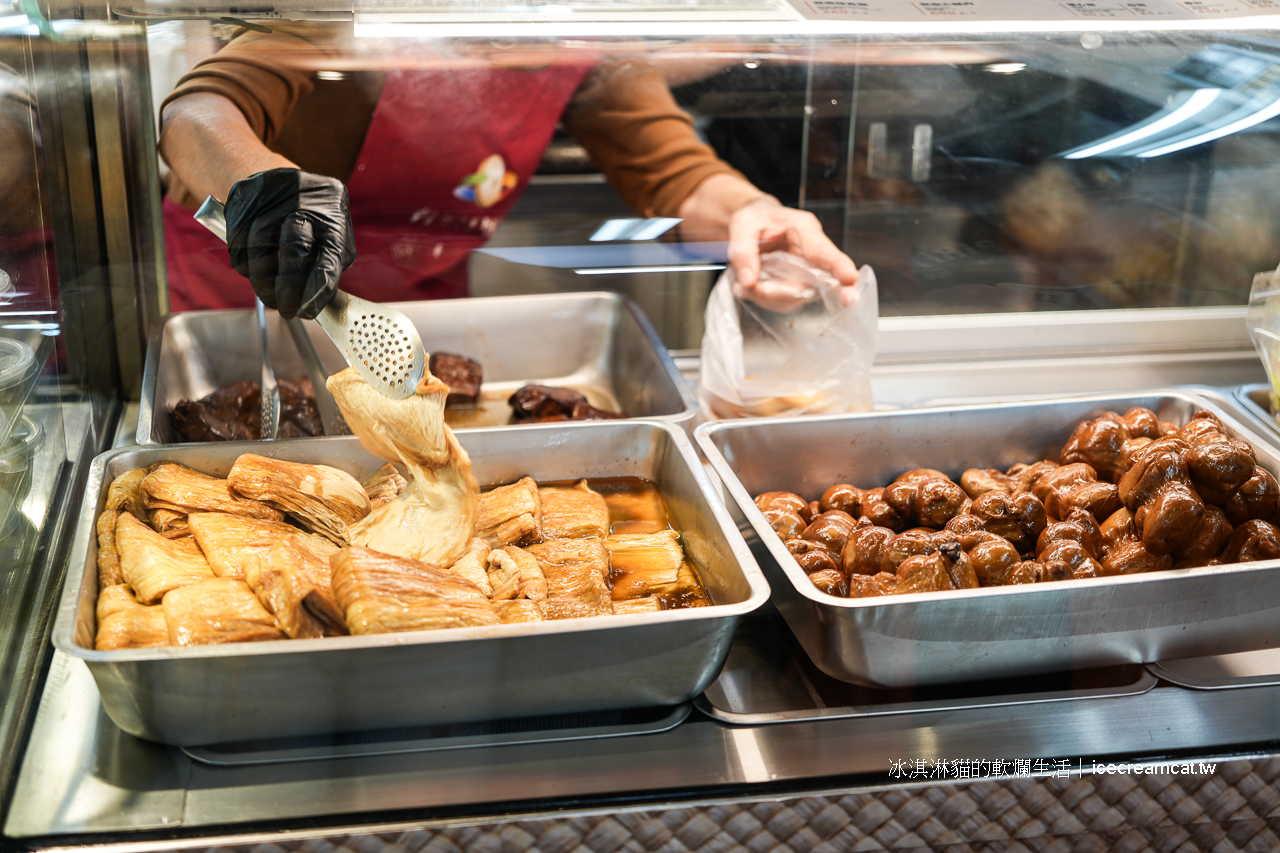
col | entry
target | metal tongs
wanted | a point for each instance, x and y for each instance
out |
(330, 417)
(379, 342)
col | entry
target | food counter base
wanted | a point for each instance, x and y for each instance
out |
(771, 727)
(85, 781)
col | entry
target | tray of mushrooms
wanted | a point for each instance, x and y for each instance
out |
(981, 542)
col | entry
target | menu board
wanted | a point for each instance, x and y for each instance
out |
(942, 11)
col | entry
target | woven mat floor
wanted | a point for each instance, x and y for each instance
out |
(1236, 809)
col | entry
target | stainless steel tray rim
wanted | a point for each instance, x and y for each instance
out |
(708, 428)
(1243, 397)
(63, 634)
(582, 624)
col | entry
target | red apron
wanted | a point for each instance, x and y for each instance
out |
(446, 155)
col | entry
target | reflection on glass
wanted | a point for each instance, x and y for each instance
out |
(27, 310)
(33, 450)
(1188, 106)
(1057, 179)
(1020, 175)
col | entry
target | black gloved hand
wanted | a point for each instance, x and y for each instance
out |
(289, 233)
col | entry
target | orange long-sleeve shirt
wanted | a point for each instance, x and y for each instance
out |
(624, 115)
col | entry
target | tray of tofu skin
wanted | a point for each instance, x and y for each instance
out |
(982, 542)
(215, 594)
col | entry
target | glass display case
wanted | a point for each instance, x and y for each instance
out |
(1058, 199)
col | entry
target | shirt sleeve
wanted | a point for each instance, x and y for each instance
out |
(641, 140)
(263, 74)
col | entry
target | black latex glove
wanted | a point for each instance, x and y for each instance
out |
(289, 233)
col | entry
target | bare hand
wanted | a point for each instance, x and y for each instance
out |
(765, 225)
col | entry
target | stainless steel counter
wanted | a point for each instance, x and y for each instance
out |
(83, 781)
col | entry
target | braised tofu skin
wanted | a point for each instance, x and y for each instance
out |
(518, 610)
(294, 580)
(125, 623)
(282, 549)
(574, 512)
(473, 566)
(153, 565)
(515, 573)
(123, 495)
(511, 515)
(382, 594)
(321, 499)
(184, 491)
(309, 588)
(384, 485)
(434, 519)
(217, 610)
(232, 542)
(576, 571)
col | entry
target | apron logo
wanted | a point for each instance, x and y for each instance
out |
(489, 184)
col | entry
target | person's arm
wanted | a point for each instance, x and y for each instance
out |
(288, 231)
(647, 147)
(209, 144)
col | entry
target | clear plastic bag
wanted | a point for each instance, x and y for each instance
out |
(815, 359)
(1263, 321)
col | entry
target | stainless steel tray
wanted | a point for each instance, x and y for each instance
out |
(768, 679)
(556, 728)
(991, 633)
(1260, 668)
(1254, 401)
(599, 343)
(209, 694)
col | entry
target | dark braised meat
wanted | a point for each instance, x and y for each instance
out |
(463, 376)
(298, 408)
(235, 402)
(535, 404)
(197, 420)
(233, 413)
